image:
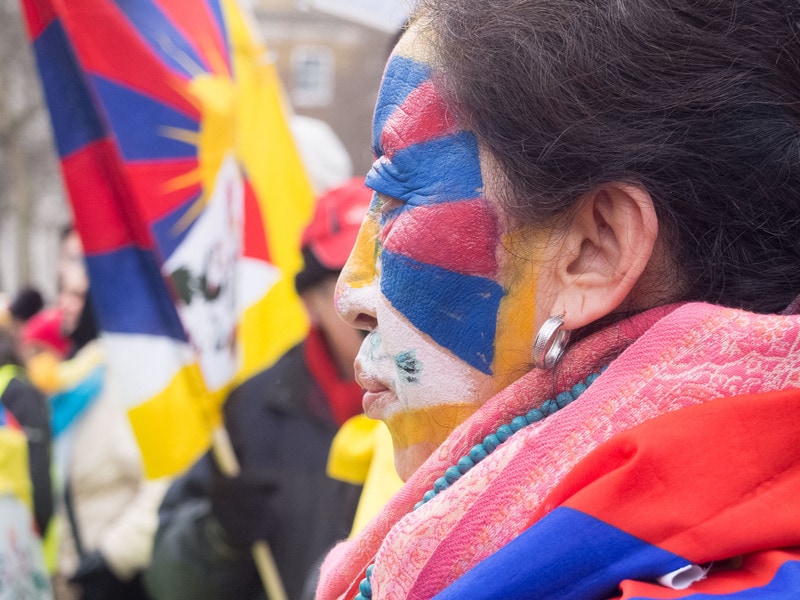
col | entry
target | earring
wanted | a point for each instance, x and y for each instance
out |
(550, 343)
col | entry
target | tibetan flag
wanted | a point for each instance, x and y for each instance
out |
(189, 197)
(698, 503)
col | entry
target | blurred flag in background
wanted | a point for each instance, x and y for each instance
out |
(189, 197)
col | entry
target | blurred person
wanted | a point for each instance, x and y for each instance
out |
(281, 422)
(73, 283)
(29, 408)
(42, 346)
(108, 509)
(22, 568)
(24, 305)
(44, 333)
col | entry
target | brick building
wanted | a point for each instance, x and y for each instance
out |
(330, 66)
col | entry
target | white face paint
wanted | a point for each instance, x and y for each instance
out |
(421, 390)
(416, 373)
(431, 276)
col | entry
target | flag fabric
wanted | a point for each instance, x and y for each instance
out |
(676, 466)
(642, 506)
(189, 197)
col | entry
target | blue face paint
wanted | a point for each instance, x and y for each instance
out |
(408, 367)
(425, 161)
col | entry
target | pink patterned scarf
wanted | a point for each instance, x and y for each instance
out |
(668, 358)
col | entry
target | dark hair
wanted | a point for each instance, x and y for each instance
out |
(313, 272)
(86, 329)
(697, 102)
(26, 303)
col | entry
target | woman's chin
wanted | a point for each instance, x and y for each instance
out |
(407, 460)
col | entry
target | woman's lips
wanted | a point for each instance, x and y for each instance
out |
(376, 393)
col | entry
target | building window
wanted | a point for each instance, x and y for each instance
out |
(312, 76)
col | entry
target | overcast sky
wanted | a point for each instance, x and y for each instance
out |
(387, 15)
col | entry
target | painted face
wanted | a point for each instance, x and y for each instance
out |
(436, 275)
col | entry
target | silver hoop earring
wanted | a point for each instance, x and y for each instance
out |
(550, 343)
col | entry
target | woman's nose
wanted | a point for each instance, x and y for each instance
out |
(356, 305)
(358, 288)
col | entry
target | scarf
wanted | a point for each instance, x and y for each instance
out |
(343, 395)
(667, 360)
(81, 379)
(67, 406)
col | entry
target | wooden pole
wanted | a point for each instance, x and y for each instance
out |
(262, 555)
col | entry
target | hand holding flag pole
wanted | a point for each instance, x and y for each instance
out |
(262, 554)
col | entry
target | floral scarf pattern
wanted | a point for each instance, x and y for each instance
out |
(664, 360)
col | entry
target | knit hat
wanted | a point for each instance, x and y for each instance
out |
(26, 303)
(331, 234)
(44, 329)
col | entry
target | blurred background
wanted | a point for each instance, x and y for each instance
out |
(329, 54)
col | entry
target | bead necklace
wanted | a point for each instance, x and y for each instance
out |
(484, 449)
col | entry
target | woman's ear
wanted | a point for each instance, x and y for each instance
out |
(592, 265)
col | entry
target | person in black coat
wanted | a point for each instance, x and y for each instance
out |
(281, 422)
(29, 407)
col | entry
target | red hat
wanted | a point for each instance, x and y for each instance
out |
(44, 328)
(337, 218)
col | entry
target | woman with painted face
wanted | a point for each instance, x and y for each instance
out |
(578, 278)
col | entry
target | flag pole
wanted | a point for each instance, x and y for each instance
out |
(262, 554)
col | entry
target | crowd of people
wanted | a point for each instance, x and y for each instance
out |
(569, 292)
(118, 535)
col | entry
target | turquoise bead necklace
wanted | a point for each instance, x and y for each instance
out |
(485, 448)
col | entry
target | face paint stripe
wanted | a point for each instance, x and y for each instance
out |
(459, 312)
(446, 169)
(467, 245)
(359, 271)
(407, 431)
(422, 117)
(517, 309)
(402, 76)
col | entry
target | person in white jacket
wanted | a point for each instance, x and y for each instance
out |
(108, 507)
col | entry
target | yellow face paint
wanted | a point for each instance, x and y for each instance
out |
(515, 319)
(429, 424)
(360, 269)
